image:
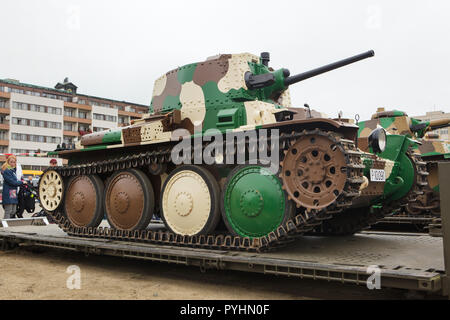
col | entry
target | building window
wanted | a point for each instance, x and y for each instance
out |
(82, 115)
(35, 138)
(105, 117)
(36, 123)
(4, 135)
(82, 127)
(69, 112)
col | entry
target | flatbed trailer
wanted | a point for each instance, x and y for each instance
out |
(405, 261)
(408, 261)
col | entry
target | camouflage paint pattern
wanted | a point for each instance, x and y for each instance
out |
(207, 95)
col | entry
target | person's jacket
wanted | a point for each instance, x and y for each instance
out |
(10, 184)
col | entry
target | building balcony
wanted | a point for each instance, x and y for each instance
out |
(6, 95)
(4, 125)
(71, 133)
(77, 106)
(4, 143)
(130, 114)
(79, 120)
(4, 111)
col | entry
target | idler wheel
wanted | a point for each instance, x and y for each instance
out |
(190, 201)
(51, 189)
(314, 171)
(83, 203)
(129, 200)
(253, 202)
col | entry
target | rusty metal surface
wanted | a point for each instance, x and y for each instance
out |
(313, 171)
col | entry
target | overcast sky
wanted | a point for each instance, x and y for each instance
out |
(117, 49)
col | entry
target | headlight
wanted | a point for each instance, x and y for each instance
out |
(377, 140)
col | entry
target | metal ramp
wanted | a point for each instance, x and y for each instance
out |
(39, 221)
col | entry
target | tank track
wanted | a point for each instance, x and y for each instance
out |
(285, 234)
(358, 219)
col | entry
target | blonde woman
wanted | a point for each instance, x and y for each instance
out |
(10, 184)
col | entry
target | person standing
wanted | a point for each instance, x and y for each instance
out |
(53, 163)
(10, 185)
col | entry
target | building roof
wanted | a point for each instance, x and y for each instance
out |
(59, 91)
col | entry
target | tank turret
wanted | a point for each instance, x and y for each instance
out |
(229, 91)
(398, 122)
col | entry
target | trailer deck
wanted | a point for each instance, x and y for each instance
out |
(406, 261)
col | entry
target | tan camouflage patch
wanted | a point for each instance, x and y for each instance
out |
(193, 103)
(238, 66)
(172, 88)
(389, 165)
(154, 131)
(369, 126)
(400, 126)
(285, 99)
(259, 113)
(159, 86)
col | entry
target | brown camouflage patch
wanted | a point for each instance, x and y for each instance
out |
(92, 139)
(173, 88)
(363, 144)
(211, 70)
(426, 147)
(131, 135)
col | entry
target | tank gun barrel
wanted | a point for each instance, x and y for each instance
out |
(439, 123)
(332, 66)
(430, 125)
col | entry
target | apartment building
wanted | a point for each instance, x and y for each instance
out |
(436, 115)
(37, 119)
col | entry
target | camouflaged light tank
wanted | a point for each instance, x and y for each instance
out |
(431, 150)
(128, 174)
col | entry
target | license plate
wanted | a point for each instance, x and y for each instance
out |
(377, 175)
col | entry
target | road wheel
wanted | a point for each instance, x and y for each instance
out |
(51, 190)
(253, 202)
(190, 201)
(83, 203)
(129, 200)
